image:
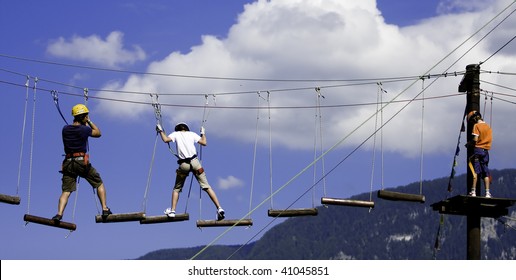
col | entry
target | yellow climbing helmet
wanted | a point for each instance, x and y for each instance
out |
(79, 109)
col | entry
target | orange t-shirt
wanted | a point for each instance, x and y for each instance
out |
(484, 134)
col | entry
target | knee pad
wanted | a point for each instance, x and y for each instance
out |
(199, 171)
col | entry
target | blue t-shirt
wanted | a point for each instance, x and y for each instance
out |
(75, 138)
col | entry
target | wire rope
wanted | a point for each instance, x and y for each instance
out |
(351, 82)
(253, 169)
(270, 145)
(496, 26)
(491, 112)
(149, 176)
(203, 121)
(32, 143)
(315, 144)
(321, 140)
(373, 158)
(23, 133)
(421, 161)
(204, 77)
(454, 94)
(382, 92)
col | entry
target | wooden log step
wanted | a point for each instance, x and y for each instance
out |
(49, 222)
(9, 199)
(165, 219)
(224, 223)
(347, 202)
(397, 196)
(292, 212)
(118, 218)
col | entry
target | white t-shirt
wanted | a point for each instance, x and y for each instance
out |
(185, 143)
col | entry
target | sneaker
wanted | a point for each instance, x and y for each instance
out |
(488, 195)
(220, 214)
(170, 213)
(106, 212)
(57, 218)
(472, 193)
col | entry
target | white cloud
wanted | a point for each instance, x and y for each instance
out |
(109, 52)
(329, 40)
(230, 182)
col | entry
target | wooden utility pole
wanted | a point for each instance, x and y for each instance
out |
(474, 208)
(471, 82)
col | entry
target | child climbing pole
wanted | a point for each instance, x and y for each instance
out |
(481, 140)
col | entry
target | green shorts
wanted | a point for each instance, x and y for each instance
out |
(74, 168)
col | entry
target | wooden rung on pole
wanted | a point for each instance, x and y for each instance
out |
(165, 219)
(401, 196)
(117, 218)
(292, 212)
(347, 202)
(224, 223)
(9, 199)
(49, 222)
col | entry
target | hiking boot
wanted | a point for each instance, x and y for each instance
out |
(170, 213)
(106, 212)
(57, 218)
(472, 193)
(220, 214)
(488, 195)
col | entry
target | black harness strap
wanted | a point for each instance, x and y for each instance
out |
(186, 160)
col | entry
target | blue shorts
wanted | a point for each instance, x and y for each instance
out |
(480, 161)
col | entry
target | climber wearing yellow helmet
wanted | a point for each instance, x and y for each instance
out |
(76, 162)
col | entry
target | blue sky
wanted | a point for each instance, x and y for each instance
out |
(230, 51)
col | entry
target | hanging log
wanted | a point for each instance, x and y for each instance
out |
(49, 222)
(292, 212)
(397, 196)
(9, 199)
(117, 218)
(347, 202)
(165, 219)
(224, 223)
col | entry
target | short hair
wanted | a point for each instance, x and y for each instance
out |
(79, 118)
(181, 126)
(474, 116)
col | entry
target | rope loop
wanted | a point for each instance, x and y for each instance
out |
(55, 97)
